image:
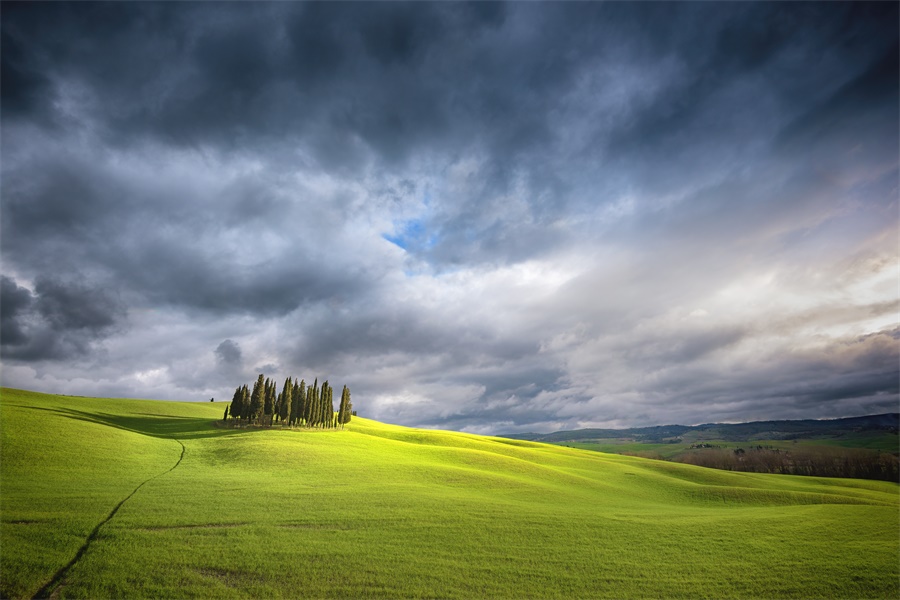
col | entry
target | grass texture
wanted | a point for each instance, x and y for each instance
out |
(382, 511)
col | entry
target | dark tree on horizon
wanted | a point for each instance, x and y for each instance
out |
(346, 407)
(327, 406)
(296, 401)
(245, 403)
(257, 399)
(309, 410)
(268, 399)
(237, 403)
(285, 401)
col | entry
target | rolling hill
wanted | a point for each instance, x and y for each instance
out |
(108, 498)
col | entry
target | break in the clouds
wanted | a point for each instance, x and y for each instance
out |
(489, 217)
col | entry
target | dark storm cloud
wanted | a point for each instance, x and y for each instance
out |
(59, 320)
(527, 214)
(73, 306)
(228, 353)
(852, 375)
(158, 238)
(16, 304)
(25, 89)
(839, 116)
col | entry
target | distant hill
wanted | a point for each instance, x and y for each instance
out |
(735, 432)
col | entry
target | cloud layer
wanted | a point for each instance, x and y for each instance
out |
(490, 217)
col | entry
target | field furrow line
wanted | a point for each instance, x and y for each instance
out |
(46, 592)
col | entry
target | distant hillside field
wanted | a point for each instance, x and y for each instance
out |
(865, 447)
(110, 498)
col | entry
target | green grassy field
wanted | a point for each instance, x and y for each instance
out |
(381, 511)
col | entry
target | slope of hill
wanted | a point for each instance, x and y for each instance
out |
(128, 498)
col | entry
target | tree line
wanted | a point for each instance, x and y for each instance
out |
(297, 405)
(820, 461)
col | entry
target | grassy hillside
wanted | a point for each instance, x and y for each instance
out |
(381, 511)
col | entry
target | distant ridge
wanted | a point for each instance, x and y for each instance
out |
(784, 429)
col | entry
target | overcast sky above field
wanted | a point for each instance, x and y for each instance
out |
(486, 217)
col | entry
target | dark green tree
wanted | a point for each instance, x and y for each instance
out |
(268, 398)
(285, 400)
(245, 403)
(225, 417)
(237, 403)
(323, 399)
(327, 406)
(278, 401)
(317, 407)
(299, 399)
(257, 399)
(295, 403)
(320, 407)
(346, 409)
(309, 412)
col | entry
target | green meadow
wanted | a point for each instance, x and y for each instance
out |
(104, 498)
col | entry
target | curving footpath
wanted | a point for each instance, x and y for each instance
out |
(45, 592)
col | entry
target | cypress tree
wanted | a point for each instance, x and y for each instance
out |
(344, 412)
(313, 408)
(284, 404)
(245, 402)
(328, 406)
(268, 398)
(350, 412)
(237, 403)
(225, 417)
(316, 410)
(309, 409)
(320, 404)
(274, 394)
(257, 399)
(295, 403)
(334, 415)
(300, 398)
(322, 411)
(342, 407)
(279, 400)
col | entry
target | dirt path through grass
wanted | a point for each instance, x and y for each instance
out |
(54, 585)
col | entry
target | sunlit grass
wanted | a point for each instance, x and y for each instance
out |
(384, 511)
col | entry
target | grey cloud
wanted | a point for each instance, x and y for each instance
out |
(25, 88)
(677, 348)
(848, 376)
(396, 329)
(157, 238)
(838, 118)
(228, 353)
(73, 306)
(15, 303)
(59, 320)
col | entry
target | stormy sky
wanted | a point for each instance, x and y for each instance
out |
(484, 217)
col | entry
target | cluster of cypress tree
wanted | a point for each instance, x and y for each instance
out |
(296, 405)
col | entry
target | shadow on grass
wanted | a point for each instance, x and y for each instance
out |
(155, 425)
